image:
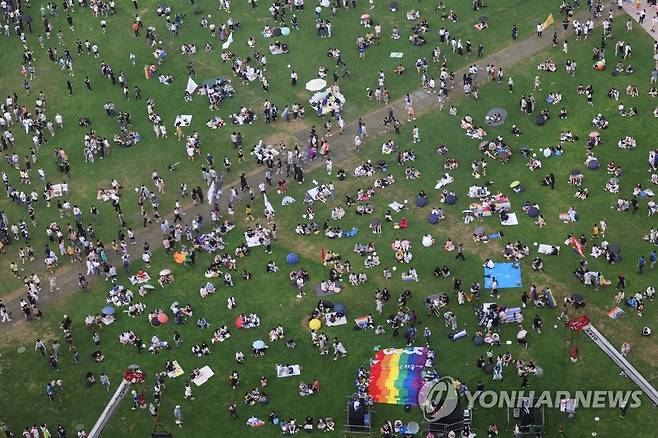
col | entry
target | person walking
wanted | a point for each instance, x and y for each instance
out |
(178, 416)
(105, 382)
(52, 281)
(233, 410)
(622, 409)
(188, 392)
(460, 252)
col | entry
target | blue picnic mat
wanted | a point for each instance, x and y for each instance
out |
(507, 274)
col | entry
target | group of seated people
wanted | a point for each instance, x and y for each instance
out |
(200, 350)
(119, 296)
(619, 69)
(221, 334)
(249, 321)
(357, 279)
(278, 48)
(276, 333)
(255, 396)
(600, 122)
(245, 116)
(304, 229)
(290, 427)
(188, 49)
(330, 286)
(385, 182)
(515, 251)
(364, 169)
(547, 65)
(627, 142)
(372, 261)
(309, 389)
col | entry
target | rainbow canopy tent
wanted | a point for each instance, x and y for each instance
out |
(396, 375)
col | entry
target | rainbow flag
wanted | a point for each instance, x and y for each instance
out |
(396, 375)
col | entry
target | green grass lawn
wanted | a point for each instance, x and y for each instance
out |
(23, 395)
(132, 166)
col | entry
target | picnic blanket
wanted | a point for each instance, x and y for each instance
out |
(205, 373)
(331, 320)
(547, 249)
(443, 181)
(478, 192)
(183, 120)
(105, 195)
(319, 292)
(396, 206)
(140, 278)
(511, 220)
(55, 190)
(177, 372)
(252, 241)
(507, 274)
(288, 370)
(616, 312)
(513, 314)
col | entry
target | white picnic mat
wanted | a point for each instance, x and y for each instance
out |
(337, 321)
(396, 206)
(205, 374)
(547, 249)
(511, 220)
(251, 241)
(183, 119)
(285, 371)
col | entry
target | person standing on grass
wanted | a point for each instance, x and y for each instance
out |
(52, 281)
(233, 410)
(105, 382)
(178, 416)
(357, 143)
(188, 391)
(640, 264)
(622, 409)
(537, 323)
(362, 128)
(494, 288)
(460, 253)
(339, 349)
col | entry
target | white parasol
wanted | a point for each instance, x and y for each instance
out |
(316, 84)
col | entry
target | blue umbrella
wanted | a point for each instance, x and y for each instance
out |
(108, 310)
(258, 344)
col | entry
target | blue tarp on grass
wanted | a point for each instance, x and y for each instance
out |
(507, 274)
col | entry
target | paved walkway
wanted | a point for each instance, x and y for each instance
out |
(342, 147)
(630, 9)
